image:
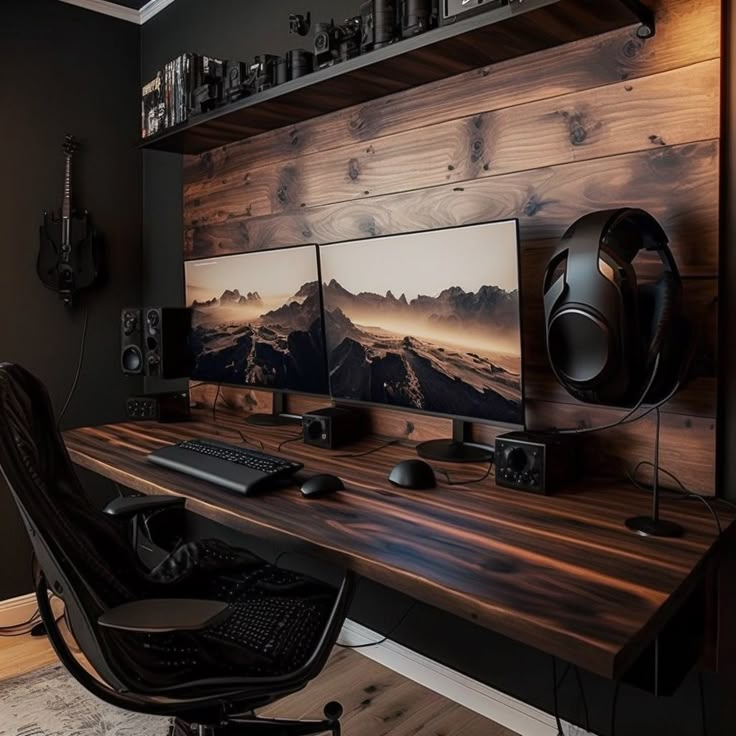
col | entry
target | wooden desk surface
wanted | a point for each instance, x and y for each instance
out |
(561, 574)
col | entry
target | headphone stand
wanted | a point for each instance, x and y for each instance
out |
(653, 526)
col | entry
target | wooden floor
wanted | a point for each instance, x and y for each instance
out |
(377, 701)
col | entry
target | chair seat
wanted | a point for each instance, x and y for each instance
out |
(275, 622)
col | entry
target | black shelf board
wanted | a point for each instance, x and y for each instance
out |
(520, 28)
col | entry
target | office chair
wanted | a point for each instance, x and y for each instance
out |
(208, 636)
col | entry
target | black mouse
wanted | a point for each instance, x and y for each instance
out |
(414, 474)
(321, 485)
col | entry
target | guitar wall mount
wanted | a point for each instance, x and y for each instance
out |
(68, 259)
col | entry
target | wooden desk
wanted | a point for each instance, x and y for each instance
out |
(561, 574)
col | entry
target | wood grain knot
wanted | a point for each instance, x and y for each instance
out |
(477, 149)
(578, 134)
(632, 48)
(533, 206)
(354, 169)
(369, 226)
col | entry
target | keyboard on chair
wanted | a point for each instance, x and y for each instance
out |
(277, 628)
(238, 469)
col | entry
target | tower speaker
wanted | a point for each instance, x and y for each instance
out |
(131, 342)
(166, 342)
(154, 342)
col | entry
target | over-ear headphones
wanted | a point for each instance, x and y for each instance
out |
(606, 334)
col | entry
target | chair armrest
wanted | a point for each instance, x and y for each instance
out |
(130, 506)
(164, 615)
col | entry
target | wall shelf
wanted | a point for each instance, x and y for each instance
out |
(519, 28)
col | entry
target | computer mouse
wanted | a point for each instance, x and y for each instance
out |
(321, 485)
(414, 474)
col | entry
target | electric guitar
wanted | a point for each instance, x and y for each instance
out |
(68, 259)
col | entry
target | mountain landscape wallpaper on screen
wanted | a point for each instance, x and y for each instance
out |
(256, 320)
(444, 338)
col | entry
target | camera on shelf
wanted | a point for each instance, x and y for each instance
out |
(378, 21)
(207, 85)
(299, 62)
(300, 24)
(333, 43)
(418, 16)
(263, 73)
(235, 81)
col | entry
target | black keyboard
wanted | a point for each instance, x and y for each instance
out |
(279, 628)
(238, 469)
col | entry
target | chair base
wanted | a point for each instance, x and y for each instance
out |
(252, 725)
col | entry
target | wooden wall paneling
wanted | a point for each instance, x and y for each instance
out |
(606, 122)
(687, 33)
(635, 115)
(677, 184)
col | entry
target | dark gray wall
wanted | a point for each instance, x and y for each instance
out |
(233, 29)
(65, 70)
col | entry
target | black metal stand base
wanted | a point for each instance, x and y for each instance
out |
(270, 420)
(648, 526)
(460, 449)
(277, 417)
(449, 451)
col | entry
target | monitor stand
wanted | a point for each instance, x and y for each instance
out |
(457, 450)
(277, 417)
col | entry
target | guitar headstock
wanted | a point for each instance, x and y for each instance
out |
(70, 145)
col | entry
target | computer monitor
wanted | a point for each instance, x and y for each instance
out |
(428, 322)
(257, 321)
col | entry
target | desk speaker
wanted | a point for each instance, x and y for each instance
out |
(131, 342)
(155, 342)
(536, 462)
(333, 427)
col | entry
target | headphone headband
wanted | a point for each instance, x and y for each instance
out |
(622, 232)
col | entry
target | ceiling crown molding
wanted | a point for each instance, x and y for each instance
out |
(139, 17)
(154, 7)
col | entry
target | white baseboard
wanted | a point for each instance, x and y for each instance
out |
(514, 714)
(17, 610)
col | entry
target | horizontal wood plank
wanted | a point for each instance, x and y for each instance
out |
(687, 33)
(678, 185)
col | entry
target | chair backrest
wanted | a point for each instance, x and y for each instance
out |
(86, 557)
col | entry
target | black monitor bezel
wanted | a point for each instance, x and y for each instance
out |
(257, 387)
(425, 412)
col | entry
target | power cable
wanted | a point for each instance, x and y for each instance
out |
(78, 372)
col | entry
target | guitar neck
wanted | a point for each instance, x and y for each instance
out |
(66, 205)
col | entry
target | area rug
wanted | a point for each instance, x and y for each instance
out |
(49, 702)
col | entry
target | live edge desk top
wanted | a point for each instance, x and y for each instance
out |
(561, 574)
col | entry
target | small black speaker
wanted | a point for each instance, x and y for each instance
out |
(131, 342)
(333, 427)
(166, 342)
(536, 462)
(165, 407)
